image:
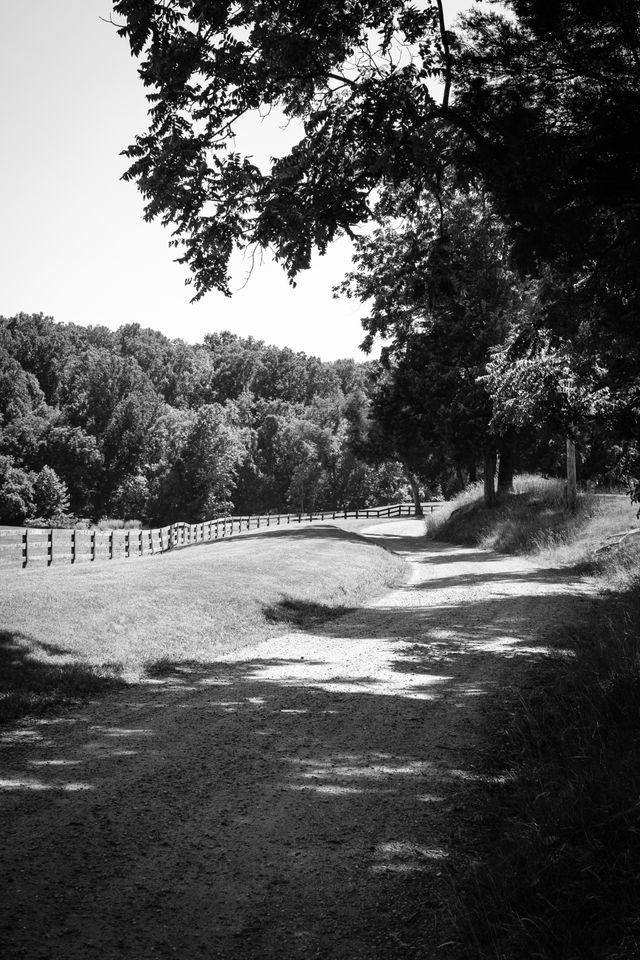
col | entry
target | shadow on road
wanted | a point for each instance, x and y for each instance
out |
(275, 806)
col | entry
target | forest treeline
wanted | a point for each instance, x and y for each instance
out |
(131, 424)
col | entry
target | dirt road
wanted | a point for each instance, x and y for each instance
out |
(311, 798)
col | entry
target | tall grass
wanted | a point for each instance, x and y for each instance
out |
(534, 520)
(559, 872)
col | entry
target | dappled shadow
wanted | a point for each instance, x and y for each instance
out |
(523, 576)
(37, 677)
(275, 805)
(297, 811)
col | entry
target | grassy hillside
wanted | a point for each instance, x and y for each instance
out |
(68, 632)
(534, 520)
(558, 874)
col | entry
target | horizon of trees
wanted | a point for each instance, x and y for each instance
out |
(131, 424)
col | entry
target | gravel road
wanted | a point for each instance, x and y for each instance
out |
(309, 798)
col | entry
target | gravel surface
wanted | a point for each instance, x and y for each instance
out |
(309, 798)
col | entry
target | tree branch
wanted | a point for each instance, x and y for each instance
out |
(447, 56)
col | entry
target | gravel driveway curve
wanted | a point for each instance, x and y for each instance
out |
(309, 798)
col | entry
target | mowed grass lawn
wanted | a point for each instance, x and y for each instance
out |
(70, 632)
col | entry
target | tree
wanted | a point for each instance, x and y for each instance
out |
(437, 280)
(16, 492)
(199, 483)
(74, 455)
(544, 385)
(355, 76)
(24, 415)
(558, 87)
(50, 496)
(540, 103)
(130, 499)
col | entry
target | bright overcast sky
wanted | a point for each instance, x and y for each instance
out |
(73, 244)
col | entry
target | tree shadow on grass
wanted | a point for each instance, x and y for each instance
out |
(36, 678)
(322, 530)
(303, 613)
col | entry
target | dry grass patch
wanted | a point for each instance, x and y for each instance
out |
(118, 618)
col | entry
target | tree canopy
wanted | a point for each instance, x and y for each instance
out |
(135, 425)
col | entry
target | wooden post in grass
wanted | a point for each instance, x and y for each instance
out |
(92, 545)
(111, 545)
(572, 485)
(25, 547)
(73, 545)
(49, 546)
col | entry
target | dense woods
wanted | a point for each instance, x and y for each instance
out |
(131, 424)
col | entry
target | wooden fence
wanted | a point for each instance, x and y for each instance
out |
(30, 545)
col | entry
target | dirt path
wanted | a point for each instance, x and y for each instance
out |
(307, 799)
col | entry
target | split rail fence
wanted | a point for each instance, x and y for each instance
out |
(41, 545)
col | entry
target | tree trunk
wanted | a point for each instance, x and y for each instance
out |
(415, 493)
(506, 466)
(572, 485)
(490, 477)
(473, 473)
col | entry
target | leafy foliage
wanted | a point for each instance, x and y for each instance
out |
(140, 426)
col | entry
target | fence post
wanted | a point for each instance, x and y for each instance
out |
(92, 545)
(111, 545)
(73, 545)
(25, 547)
(50, 546)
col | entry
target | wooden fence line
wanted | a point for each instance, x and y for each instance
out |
(29, 545)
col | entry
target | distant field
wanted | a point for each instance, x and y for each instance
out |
(63, 628)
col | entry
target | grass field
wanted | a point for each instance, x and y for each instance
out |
(70, 632)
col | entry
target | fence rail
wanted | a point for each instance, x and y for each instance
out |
(44, 546)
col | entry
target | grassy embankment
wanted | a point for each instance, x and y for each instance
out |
(559, 877)
(67, 633)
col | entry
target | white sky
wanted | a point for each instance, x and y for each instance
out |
(73, 244)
